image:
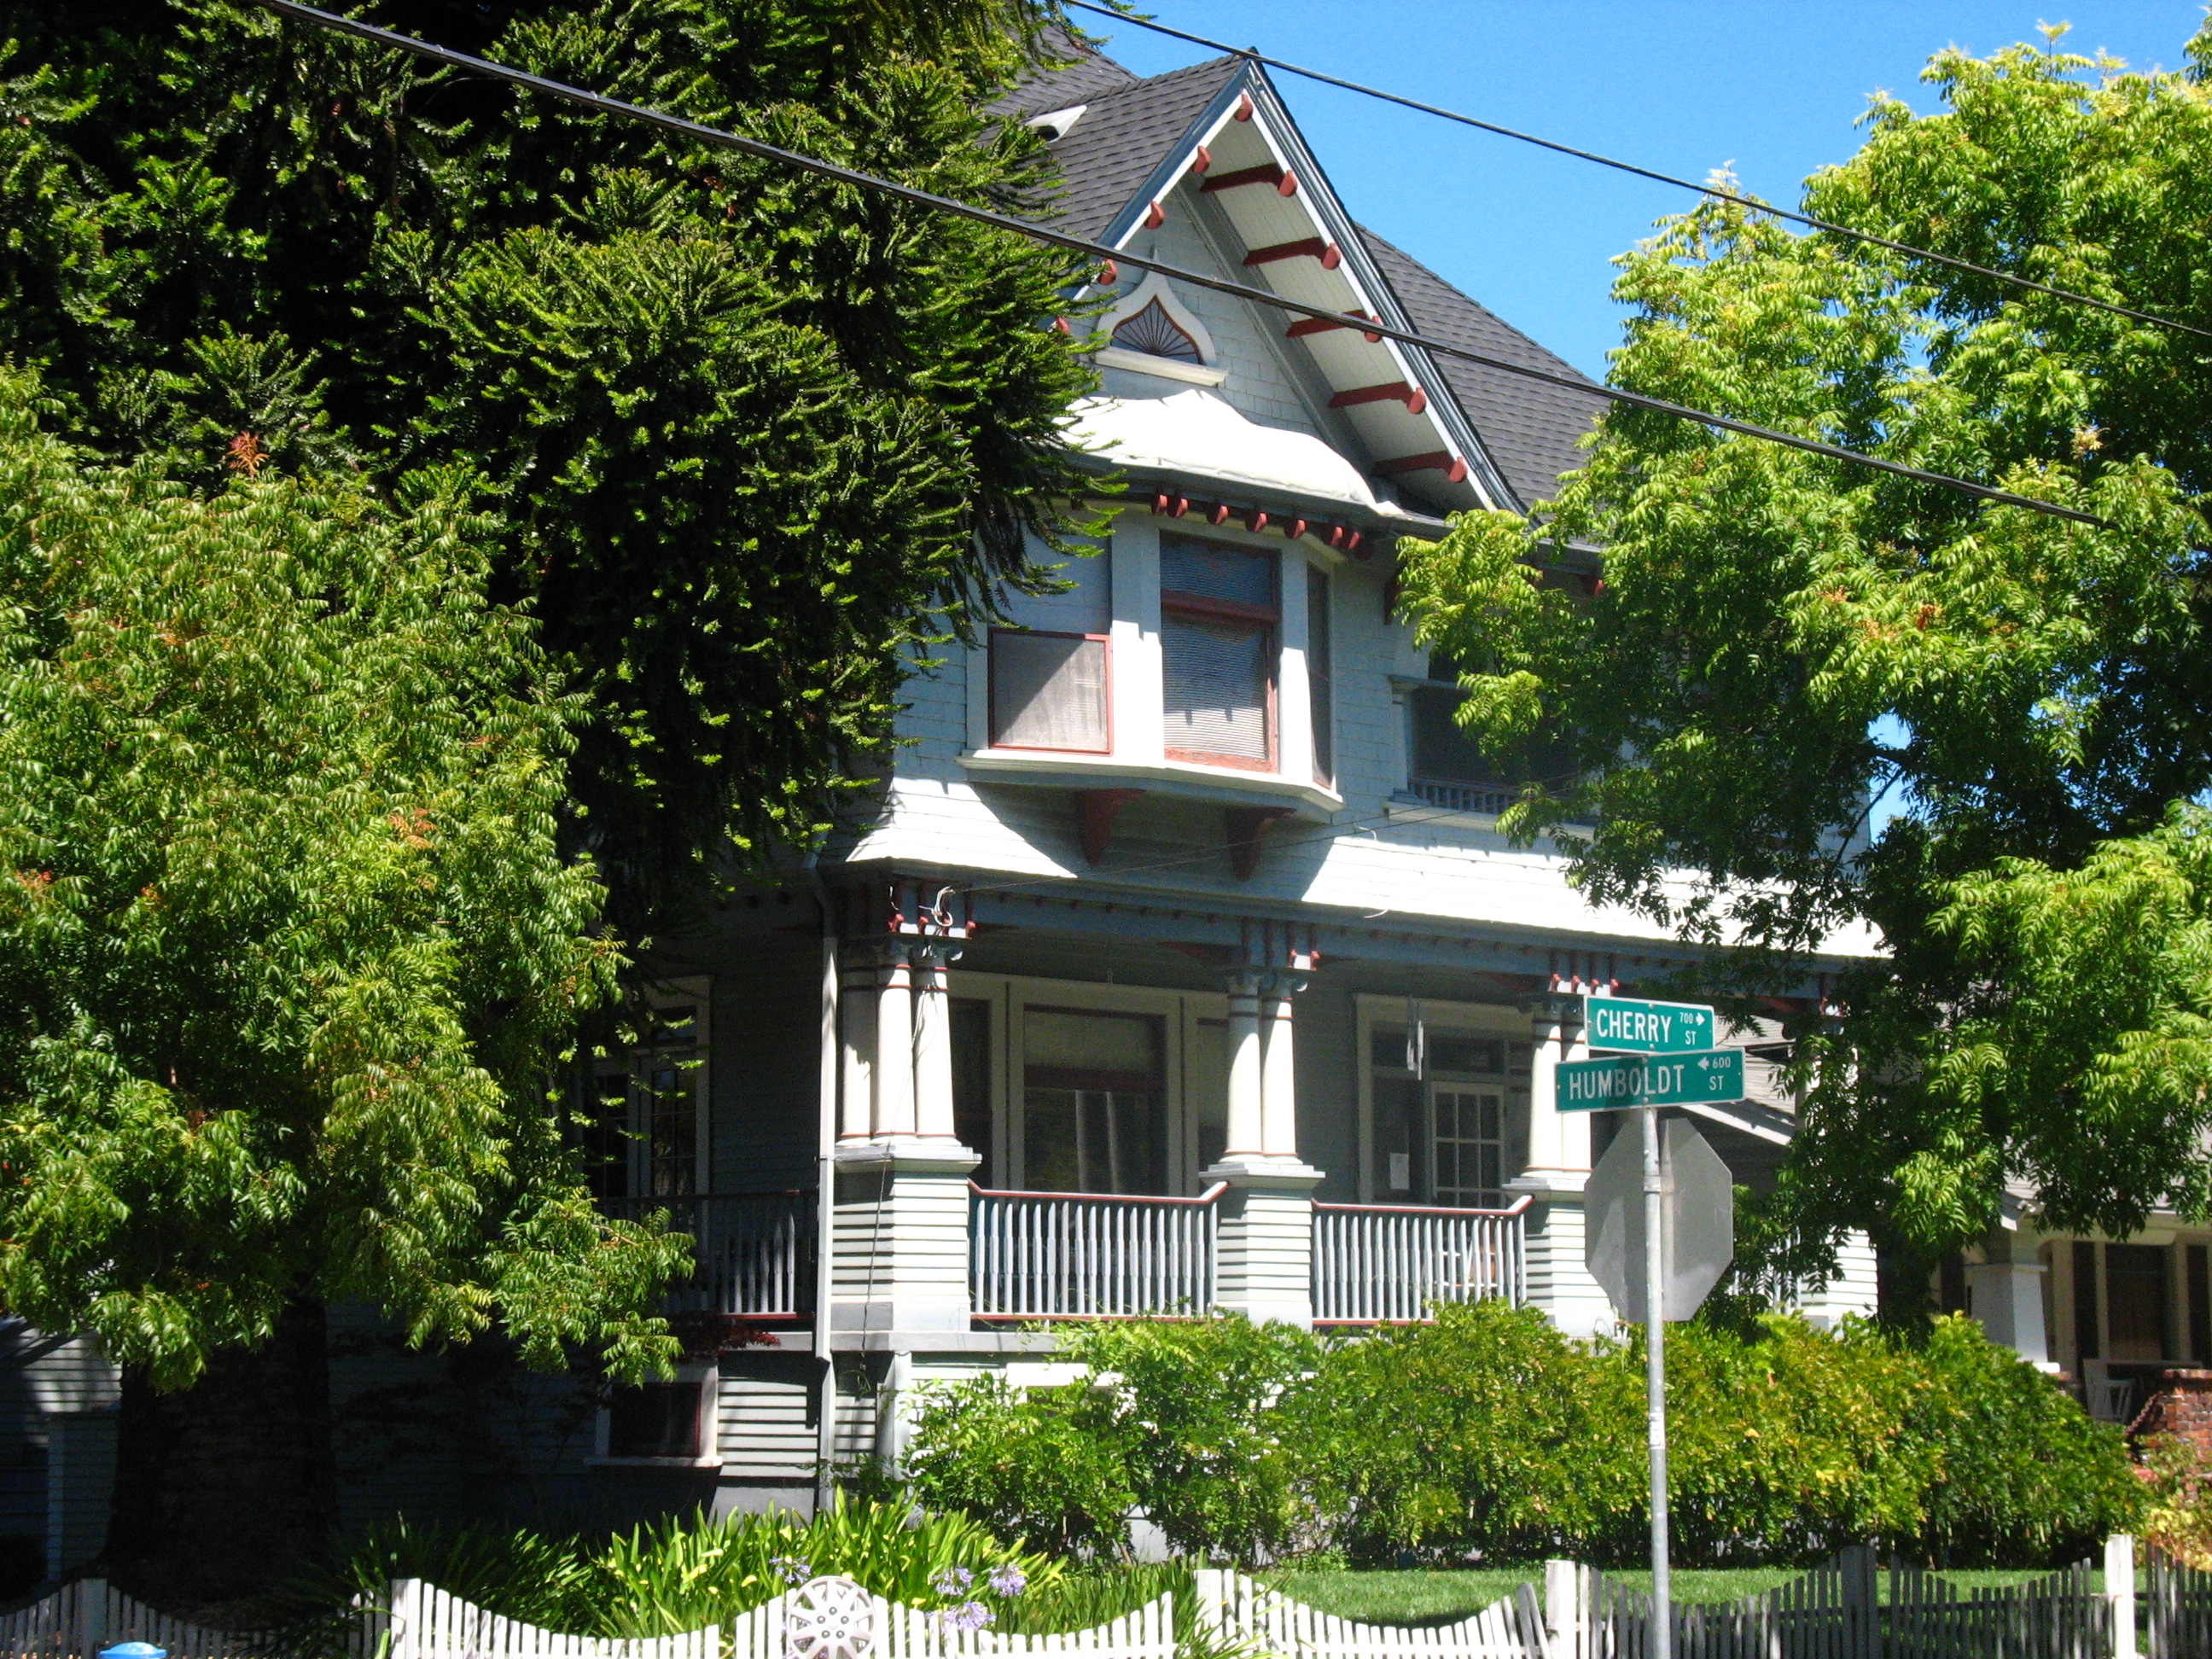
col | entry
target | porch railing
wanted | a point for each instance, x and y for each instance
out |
(755, 1250)
(1085, 1255)
(1376, 1264)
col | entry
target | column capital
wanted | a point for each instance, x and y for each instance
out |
(1281, 985)
(1552, 1010)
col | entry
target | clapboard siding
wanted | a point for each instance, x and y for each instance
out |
(768, 1416)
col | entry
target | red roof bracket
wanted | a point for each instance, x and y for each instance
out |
(1310, 325)
(1390, 391)
(1154, 218)
(1265, 173)
(1247, 827)
(1094, 812)
(1454, 467)
(1306, 247)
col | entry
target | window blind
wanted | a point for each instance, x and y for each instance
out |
(1048, 691)
(1215, 693)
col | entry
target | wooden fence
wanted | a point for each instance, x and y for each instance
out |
(77, 1620)
(1237, 1610)
(1838, 1611)
(1386, 1263)
(2179, 1605)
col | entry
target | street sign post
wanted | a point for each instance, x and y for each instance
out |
(1659, 1257)
(1628, 1025)
(1590, 1085)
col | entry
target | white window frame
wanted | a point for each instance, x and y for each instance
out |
(706, 1373)
(1181, 1015)
(1475, 1019)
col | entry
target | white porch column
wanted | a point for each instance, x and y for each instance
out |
(1278, 1069)
(859, 988)
(1263, 1252)
(1247, 1128)
(2004, 1292)
(1559, 1282)
(894, 1067)
(932, 1042)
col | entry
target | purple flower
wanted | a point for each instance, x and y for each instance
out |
(968, 1616)
(1009, 1580)
(793, 1570)
(953, 1581)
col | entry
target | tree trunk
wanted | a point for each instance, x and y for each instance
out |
(225, 1489)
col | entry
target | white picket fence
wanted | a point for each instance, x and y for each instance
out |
(838, 1619)
(429, 1623)
(1233, 1606)
(826, 1618)
(77, 1620)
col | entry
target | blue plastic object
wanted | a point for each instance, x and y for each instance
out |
(134, 1650)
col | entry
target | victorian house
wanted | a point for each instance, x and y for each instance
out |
(1177, 965)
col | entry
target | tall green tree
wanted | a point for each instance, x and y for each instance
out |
(1770, 642)
(287, 948)
(751, 438)
(743, 446)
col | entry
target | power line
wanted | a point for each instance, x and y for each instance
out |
(1253, 55)
(716, 138)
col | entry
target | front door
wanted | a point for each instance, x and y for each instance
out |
(1469, 1137)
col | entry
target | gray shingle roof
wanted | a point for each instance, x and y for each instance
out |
(1530, 428)
(1105, 160)
(1093, 75)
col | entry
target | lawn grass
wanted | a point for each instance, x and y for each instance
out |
(1417, 1597)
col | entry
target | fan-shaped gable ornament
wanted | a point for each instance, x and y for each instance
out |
(1156, 334)
(829, 1618)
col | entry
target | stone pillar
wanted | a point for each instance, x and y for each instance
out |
(894, 1066)
(2005, 1295)
(1558, 1169)
(1247, 1127)
(858, 990)
(932, 1044)
(1278, 1071)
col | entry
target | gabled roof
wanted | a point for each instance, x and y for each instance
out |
(1133, 144)
(1531, 430)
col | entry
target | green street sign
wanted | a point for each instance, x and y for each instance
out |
(1592, 1085)
(1624, 1024)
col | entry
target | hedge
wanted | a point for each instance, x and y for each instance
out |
(1489, 1436)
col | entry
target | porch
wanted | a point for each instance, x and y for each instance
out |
(1041, 1256)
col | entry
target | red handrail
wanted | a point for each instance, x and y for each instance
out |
(1206, 1197)
(1515, 1208)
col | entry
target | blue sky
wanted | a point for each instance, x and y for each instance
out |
(1773, 88)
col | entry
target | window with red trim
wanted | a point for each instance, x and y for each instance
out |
(1218, 616)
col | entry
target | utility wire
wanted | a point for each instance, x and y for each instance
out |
(1253, 54)
(716, 138)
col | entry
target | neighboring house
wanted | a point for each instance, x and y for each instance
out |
(1177, 964)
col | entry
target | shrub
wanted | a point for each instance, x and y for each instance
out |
(1487, 1432)
(1489, 1435)
(2022, 1476)
(1046, 1469)
(1178, 1419)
